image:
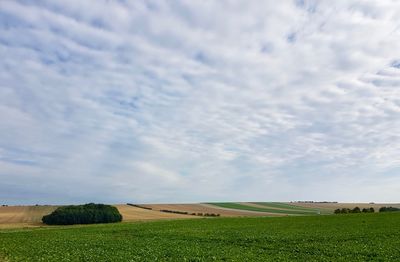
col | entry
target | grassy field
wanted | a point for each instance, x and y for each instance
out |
(264, 208)
(356, 237)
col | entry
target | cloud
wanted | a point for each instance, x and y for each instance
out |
(201, 101)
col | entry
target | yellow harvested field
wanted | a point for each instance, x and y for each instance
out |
(130, 213)
(17, 216)
(205, 208)
(31, 216)
(333, 206)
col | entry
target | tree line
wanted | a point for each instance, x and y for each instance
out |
(365, 210)
(354, 210)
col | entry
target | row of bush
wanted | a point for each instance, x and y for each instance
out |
(206, 214)
(388, 209)
(365, 210)
(139, 206)
(187, 213)
(174, 211)
(354, 210)
(83, 214)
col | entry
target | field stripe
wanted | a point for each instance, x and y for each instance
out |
(259, 209)
(285, 206)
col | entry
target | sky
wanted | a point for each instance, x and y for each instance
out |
(199, 101)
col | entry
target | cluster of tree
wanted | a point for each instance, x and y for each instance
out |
(174, 211)
(83, 214)
(206, 214)
(388, 209)
(193, 214)
(4, 205)
(139, 206)
(354, 210)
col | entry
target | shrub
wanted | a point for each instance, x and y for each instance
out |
(354, 210)
(368, 210)
(388, 209)
(174, 212)
(139, 206)
(83, 214)
(345, 210)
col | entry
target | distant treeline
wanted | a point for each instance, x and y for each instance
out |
(388, 209)
(354, 210)
(192, 214)
(365, 210)
(83, 214)
(139, 206)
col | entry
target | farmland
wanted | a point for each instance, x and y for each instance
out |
(30, 216)
(356, 237)
(269, 208)
(17, 216)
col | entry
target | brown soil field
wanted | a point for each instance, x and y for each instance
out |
(205, 208)
(333, 206)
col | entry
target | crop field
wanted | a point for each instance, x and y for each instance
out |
(355, 237)
(31, 216)
(204, 208)
(269, 208)
(17, 216)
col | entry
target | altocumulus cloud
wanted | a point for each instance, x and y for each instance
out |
(153, 101)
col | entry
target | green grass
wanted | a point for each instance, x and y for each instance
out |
(261, 209)
(355, 237)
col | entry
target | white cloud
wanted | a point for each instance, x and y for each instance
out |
(199, 101)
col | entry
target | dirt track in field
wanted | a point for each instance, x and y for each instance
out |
(333, 206)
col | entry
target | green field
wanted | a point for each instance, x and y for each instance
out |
(355, 237)
(264, 209)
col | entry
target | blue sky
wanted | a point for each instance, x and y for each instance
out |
(192, 101)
